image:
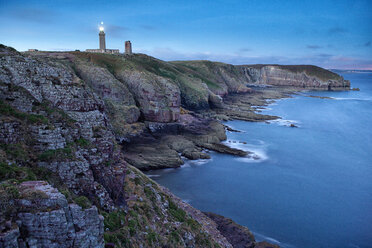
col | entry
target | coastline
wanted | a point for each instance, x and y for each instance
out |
(225, 223)
(202, 131)
(100, 116)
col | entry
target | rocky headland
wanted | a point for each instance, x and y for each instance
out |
(75, 126)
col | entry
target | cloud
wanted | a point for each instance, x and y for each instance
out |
(313, 46)
(116, 30)
(336, 30)
(33, 15)
(324, 60)
(148, 27)
(367, 44)
(325, 55)
(244, 49)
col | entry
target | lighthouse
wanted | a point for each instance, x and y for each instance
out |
(102, 43)
(102, 38)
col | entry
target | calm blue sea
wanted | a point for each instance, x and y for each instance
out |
(312, 186)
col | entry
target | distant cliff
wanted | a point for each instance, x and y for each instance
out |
(73, 123)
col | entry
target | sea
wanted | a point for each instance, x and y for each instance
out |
(312, 184)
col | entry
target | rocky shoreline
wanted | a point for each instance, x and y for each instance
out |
(201, 131)
(76, 127)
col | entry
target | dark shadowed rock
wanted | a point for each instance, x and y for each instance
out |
(239, 236)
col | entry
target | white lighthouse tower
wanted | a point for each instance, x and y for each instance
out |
(102, 38)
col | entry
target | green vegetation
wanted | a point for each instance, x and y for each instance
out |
(152, 237)
(16, 172)
(62, 153)
(176, 212)
(175, 236)
(114, 220)
(310, 70)
(17, 152)
(8, 48)
(8, 192)
(53, 113)
(7, 110)
(83, 202)
(83, 143)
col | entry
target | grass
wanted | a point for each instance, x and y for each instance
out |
(83, 143)
(16, 172)
(310, 70)
(176, 212)
(62, 153)
(114, 220)
(17, 152)
(7, 110)
(83, 202)
(54, 113)
(152, 237)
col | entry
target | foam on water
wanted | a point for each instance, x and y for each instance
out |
(284, 122)
(188, 201)
(352, 99)
(153, 175)
(258, 150)
(261, 237)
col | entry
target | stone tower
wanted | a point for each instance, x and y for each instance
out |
(102, 39)
(128, 47)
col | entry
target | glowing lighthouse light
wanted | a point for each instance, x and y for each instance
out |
(101, 27)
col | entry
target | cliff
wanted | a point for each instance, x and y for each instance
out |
(73, 123)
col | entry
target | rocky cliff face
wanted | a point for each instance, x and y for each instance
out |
(303, 76)
(235, 77)
(71, 122)
(44, 218)
(59, 124)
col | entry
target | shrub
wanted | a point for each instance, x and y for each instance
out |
(114, 220)
(151, 238)
(175, 236)
(16, 151)
(49, 155)
(15, 172)
(8, 110)
(83, 202)
(82, 143)
(176, 212)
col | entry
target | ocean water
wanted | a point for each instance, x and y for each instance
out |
(311, 187)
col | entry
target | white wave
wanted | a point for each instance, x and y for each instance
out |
(258, 151)
(152, 175)
(352, 99)
(261, 237)
(284, 122)
(354, 246)
(185, 165)
(188, 201)
(198, 162)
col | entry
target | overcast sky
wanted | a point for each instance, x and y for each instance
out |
(331, 34)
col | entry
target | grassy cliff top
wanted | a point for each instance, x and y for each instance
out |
(310, 70)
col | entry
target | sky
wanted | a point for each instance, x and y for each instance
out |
(330, 34)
